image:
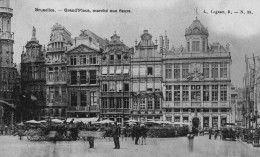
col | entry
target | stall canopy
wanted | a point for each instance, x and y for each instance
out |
(105, 121)
(84, 120)
(32, 122)
(56, 121)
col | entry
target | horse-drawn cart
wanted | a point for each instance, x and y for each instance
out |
(228, 132)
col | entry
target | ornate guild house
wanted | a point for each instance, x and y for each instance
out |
(83, 69)
(56, 72)
(33, 79)
(197, 80)
(146, 79)
(115, 80)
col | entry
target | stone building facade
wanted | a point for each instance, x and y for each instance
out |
(197, 80)
(115, 80)
(146, 80)
(83, 67)
(56, 72)
(33, 79)
(8, 71)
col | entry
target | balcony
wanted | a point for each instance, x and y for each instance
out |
(6, 10)
(56, 49)
(113, 111)
(115, 94)
(198, 55)
(7, 35)
(82, 108)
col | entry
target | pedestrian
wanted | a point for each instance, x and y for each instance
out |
(2, 129)
(116, 134)
(133, 132)
(191, 136)
(143, 133)
(20, 134)
(210, 132)
(90, 139)
(216, 134)
(137, 134)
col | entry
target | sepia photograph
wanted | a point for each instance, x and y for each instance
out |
(129, 78)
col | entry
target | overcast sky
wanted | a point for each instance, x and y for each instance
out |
(242, 31)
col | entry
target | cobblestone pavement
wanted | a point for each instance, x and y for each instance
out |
(11, 146)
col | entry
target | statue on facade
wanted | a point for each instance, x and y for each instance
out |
(33, 33)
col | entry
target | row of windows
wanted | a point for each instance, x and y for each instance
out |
(173, 93)
(84, 60)
(149, 71)
(115, 86)
(56, 96)
(115, 57)
(82, 96)
(81, 77)
(178, 110)
(53, 111)
(174, 70)
(114, 103)
(146, 103)
(112, 70)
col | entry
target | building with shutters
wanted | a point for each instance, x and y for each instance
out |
(146, 80)
(33, 80)
(56, 72)
(115, 80)
(196, 80)
(83, 69)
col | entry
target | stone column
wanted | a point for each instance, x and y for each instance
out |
(181, 118)
(164, 117)
(218, 70)
(219, 120)
(172, 117)
(210, 120)
(189, 115)
(201, 118)
(210, 70)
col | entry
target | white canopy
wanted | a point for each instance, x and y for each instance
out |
(181, 123)
(131, 121)
(163, 122)
(105, 121)
(42, 121)
(84, 120)
(56, 121)
(32, 122)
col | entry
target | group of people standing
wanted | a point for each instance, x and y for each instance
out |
(139, 130)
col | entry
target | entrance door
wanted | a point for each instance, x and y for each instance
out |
(195, 123)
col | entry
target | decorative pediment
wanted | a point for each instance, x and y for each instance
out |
(31, 44)
(82, 48)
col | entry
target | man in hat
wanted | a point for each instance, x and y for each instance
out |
(90, 139)
(116, 134)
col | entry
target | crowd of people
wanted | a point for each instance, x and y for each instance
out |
(138, 132)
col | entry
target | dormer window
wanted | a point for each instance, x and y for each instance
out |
(119, 56)
(195, 46)
(111, 57)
